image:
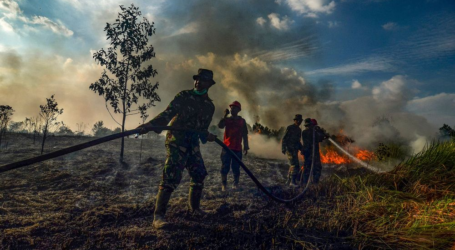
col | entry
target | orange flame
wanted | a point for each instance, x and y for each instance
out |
(332, 157)
(365, 155)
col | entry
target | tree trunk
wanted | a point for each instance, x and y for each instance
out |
(123, 138)
(1, 137)
(44, 138)
(124, 111)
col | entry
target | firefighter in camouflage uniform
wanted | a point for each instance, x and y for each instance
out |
(291, 145)
(192, 109)
(312, 128)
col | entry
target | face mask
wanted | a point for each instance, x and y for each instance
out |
(202, 92)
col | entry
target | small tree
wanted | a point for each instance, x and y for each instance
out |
(99, 129)
(127, 81)
(33, 125)
(80, 128)
(6, 112)
(63, 129)
(49, 113)
(446, 132)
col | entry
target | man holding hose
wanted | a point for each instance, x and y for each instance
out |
(191, 109)
(311, 144)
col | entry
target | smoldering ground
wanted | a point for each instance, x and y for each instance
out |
(89, 200)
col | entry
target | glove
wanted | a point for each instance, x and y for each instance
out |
(211, 137)
(146, 127)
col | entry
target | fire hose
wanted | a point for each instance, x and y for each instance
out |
(78, 147)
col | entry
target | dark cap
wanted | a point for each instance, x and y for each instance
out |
(204, 74)
(308, 122)
(298, 117)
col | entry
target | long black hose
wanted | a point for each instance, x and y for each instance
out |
(72, 149)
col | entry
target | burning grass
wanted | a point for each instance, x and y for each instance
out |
(88, 200)
(411, 207)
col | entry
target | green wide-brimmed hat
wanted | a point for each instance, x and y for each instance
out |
(298, 117)
(204, 74)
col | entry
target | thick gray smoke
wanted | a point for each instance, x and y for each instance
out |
(224, 37)
(245, 44)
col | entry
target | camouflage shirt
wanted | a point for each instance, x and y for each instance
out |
(291, 138)
(187, 110)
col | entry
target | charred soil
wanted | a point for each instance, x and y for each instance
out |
(88, 200)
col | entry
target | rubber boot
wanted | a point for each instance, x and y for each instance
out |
(235, 185)
(305, 180)
(194, 201)
(294, 183)
(162, 199)
(223, 182)
(288, 180)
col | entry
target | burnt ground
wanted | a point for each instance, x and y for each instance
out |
(88, 200)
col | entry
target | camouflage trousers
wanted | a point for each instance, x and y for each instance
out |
(294, 165)
(179, 158)
(317, 167)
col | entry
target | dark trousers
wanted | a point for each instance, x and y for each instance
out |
(317, 167)
(229, 162)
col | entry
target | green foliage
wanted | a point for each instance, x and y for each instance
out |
(434, 166)
(64, 130)
(49, 113)
(130, 38)
(391, 150)
(270, 133)
(99, 130)
(127, 80)
(446, 132)
(16, 126)
(6, 112)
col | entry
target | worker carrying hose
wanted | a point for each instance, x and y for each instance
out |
(312, 128)
(192, 109)
(291, 145)
(236, 131)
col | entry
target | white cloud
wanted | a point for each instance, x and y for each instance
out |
(356, 84)
(371, 64)
(13, 11)
(261, 21)
(282, 24)
(439, 109)
(10, 8)
(189, 28)
(390, 26)
(311, 8)
(56, 27)
(5, 26)
(391, 90)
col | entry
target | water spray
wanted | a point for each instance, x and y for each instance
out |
(362, 163)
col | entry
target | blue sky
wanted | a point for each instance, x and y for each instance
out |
(307, 52)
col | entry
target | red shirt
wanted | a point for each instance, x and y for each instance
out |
(234, 132)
